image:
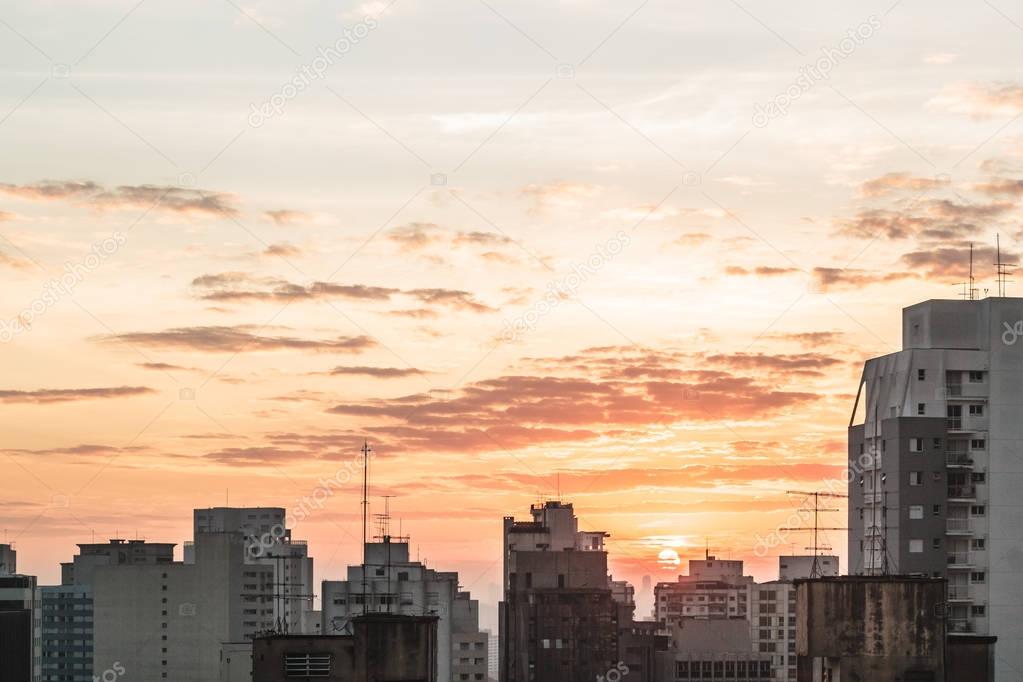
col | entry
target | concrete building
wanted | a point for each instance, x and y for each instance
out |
(713, 589)
(882, 629)
(718, 649)
(793, 567)
(8, 560)
(269, 543)
(381, 647)
(936, 441)
(179, 621)
(68, 627)
(393, 583)
(559, 620)
(20, 647)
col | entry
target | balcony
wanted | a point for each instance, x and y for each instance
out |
(953, 390)
(955, 424)
(964, 493)
(959, 560)
(959, 593)
(956, 526)
(958, 458)
(960, 625)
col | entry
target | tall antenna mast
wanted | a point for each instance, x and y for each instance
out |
(1003, 270)
(365, 515)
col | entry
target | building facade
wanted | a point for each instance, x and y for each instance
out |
(390, 582)
(20, 645)
(559, 619)
(936, 447)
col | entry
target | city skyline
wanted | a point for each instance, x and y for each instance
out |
(631, 257)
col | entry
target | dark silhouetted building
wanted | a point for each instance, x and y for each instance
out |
(559, 620)
(394, 647)
(19, 630)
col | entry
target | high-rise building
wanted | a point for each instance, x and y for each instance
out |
(390, 582)
(936, 451)
(8, 560)
(269, 543)
(559, 620)
(67, 609)
(179, 621)
(20, 646)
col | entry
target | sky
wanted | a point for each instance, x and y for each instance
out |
(632, 255)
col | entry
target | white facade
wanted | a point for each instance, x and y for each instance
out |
(395, 584)
(178, 621)
(772, 616)
(793, 567)
(269, 543)
(954, 393)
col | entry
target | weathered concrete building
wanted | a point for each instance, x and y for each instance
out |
(559, 620)
(713, 649)
(870, 628)
(392, 647)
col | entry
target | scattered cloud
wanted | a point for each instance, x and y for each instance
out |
(165, 367)
(560, 194)
(952, 263)
(692, 239)
(852, 278)
(66, 395)
(239, 339)
(982, 100)
(1001, 187)
(285, 216)
(933, 219)
(13, 262)
(284, 250)
(166, 198)
(893, 182)
(378, 372)
(761, 271)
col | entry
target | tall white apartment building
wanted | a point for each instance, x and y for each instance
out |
(393, 583)
(180, 621)
(714, 588)
(269, 543)
(936, 446)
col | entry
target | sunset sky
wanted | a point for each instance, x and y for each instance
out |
(635, 251)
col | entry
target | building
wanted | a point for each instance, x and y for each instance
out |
(936, 441)
(493, 656)
(792, 567)
(68, 627)
(717, 649)
(20, 649)
(381, 647)
(713, 589)
(269, 543)
(8, 560)
(559, 620)
(390, 582)
(179, 621)
(878, 628)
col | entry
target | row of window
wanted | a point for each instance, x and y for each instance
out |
(975, 376)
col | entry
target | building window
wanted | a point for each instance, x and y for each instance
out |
(921, 408)
(916, 511)
(978, 610)
(916, 546)
(977, 477)
(936, 543)
(977, 510)
(977, 543)
(977, 410)
(307, 665)
(976, 377)
(937, 443)
(921, 374)
(977, 444)
(936, 510)
(977, 577)
(916, 444)
(916, 478)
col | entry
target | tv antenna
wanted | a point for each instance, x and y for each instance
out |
(1002, 270)
(817, 547)
(365, 515)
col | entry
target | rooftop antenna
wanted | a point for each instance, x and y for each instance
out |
(1002, 270)
(817, 547)
(365, 515)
